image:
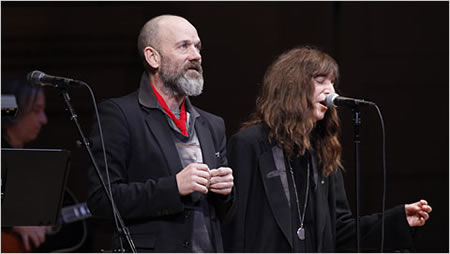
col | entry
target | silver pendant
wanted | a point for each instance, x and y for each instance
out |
(301, 233)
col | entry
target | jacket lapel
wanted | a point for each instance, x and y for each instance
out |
(158, 125)
(206, 143)
(321, 202)
(275, 191)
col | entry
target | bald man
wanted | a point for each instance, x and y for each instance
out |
(167, 161)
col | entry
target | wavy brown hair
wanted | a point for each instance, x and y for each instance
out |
(286, 106)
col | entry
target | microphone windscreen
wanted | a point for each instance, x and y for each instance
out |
(34, 77)
(330, 99)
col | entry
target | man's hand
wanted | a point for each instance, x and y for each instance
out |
(31, 234)
(221, 180)
(417, 213)
(194, 177)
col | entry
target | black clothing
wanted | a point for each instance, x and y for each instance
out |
(143, 163)
(263, 221)
(300, 166)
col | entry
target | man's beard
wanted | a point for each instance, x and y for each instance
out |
(182, 81)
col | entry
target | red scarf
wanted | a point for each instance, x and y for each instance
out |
(180, 123)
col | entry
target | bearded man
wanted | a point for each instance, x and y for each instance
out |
(166, 158)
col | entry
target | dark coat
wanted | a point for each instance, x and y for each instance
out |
(262, 221)
(143, 162)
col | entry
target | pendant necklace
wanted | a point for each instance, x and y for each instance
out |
(301, 229)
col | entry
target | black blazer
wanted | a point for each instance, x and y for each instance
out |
(143, 161)
(262, 221)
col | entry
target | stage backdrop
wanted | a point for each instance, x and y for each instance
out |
(395, 54)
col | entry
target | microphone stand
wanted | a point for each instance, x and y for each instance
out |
(357, 140)
(121, 227)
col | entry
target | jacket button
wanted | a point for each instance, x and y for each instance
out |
(186, 244)
(187, 215)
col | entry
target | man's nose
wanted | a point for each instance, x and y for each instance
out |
(194, 54)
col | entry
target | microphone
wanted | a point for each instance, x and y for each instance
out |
(333, 99)
(38, 78)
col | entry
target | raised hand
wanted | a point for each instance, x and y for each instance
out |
(194, 177)
(417, 213)
(221, 180)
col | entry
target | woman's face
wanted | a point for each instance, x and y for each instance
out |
(323, 86)
(27, 128)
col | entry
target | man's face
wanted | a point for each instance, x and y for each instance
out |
(181, 69)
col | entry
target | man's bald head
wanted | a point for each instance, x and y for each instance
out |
(151, 33)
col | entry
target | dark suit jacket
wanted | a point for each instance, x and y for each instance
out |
(143, 161)
(262, 221)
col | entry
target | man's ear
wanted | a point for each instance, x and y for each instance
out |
(152, 57)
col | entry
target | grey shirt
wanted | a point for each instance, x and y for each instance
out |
(189, 151)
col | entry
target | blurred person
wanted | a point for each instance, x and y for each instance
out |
(26, 125)
(17, 131)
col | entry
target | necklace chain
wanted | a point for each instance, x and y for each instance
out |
(300, 231)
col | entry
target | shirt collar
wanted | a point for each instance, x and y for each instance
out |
(148, 99)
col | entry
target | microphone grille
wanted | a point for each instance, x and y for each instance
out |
(330, 99)
(34, 77)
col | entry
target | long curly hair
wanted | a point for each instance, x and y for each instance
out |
(285, 107)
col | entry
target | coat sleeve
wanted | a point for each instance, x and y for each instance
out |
(397, 231)
(134, 200)
(242, 159)
(225, 204)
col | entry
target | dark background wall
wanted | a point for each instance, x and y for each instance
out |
(392, 53)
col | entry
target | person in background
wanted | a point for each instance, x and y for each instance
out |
(167, 162)
(26, 125)
(288, 171)
(17, 131)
